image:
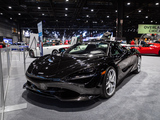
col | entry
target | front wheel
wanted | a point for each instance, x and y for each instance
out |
(31, 54)
(109, 83)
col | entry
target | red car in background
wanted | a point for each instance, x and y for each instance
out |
(150, 48)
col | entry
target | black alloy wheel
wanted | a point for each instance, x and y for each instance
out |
(138, 70)
(109, 83)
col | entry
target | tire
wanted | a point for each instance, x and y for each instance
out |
(31, 54)
(109, 83)
(138, 70)
(54, 52)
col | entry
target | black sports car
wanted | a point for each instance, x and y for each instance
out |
(83, 72)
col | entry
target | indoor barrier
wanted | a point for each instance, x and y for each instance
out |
(6, 59)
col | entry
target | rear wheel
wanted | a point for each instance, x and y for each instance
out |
(54, 52)
(109, 83)
(31, 54)
(138, 66)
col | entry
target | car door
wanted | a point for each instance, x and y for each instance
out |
(46, 49)
(122, 59)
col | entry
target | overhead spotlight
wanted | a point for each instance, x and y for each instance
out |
(67, 0)
(87, 15)
(156, 22)
(128, 3)
(139, 11)
(9, 7)
(39, 8)
(116, 10)
(66, 8)
(108, 16)
(146, 17)
(43, 14)
(151, 21)
(65, 14)
(19, 13)
(92, 10)
(1, 13)
(156, 3)
(127, 16)
(10, 18)
(94, 21)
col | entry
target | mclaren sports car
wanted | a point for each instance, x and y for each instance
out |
(82, 72)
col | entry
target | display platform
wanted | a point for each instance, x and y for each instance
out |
(137, 98)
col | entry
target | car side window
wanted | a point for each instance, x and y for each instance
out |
(117, 50)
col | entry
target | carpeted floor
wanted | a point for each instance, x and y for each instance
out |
(137, 98)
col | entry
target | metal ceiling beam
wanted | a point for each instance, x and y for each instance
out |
(67, 28)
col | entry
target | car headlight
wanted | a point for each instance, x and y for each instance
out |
(85, 73)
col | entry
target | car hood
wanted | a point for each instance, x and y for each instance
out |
(61, 66)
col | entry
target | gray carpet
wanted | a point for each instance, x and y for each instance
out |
(137, 98)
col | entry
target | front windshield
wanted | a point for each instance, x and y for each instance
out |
(88, 49)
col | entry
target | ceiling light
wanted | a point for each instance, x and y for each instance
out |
(65, 14)
(151, 21)
(157, 4)
(92, 10)
(116, 10)
(19, 13)
(9, 7)
(1, 13)
(127, 16)
(108, 16)
(146, 16)
(43, 14)
(66, 8)
(67, 0)
(139, 11)
(39, 7)
(11, 18)
(87, 15)
(128, 3)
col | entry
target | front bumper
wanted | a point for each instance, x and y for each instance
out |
(60, 89)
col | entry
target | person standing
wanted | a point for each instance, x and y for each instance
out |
(136, 41)
(132, 42)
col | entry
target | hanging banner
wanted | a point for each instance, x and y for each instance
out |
(148, 29)
(39, 25)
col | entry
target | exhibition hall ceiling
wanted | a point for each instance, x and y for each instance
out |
(80, 14)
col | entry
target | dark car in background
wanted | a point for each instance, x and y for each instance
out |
(83, 72)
